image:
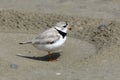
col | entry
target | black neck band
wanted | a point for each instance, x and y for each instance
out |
(61, 33)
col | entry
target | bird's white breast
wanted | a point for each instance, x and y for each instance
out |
(57, 44)
(52, 47)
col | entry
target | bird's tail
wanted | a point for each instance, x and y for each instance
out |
(26, 42)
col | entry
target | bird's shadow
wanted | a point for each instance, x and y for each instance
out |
(42, 58)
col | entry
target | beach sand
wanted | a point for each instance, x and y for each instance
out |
(92, 49)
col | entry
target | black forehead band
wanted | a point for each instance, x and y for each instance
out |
(66, 24)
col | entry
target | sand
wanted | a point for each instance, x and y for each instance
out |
(91, 51)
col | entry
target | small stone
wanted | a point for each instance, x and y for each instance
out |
(101, 26)
(13, 66)
(58, 74)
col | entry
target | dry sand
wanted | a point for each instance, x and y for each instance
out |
(91, 51)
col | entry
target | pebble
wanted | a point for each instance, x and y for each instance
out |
(58, 74)
(101, 26)
(13, 66)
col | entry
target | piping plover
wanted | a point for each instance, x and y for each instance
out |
(51, 39)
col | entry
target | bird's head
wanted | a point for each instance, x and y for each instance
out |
(62, 26)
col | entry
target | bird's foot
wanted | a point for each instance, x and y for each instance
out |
(52, 60)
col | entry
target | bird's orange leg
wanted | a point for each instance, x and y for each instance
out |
(50, 57)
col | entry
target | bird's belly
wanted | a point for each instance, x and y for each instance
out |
(51, 47)
(57, 44)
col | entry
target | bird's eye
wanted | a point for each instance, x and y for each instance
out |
(64, 26)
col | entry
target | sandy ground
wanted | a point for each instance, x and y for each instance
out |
(91, 8)
(91, 52)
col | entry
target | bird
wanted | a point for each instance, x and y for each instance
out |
(51, 39)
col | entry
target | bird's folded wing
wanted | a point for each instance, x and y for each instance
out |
(46, 38)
